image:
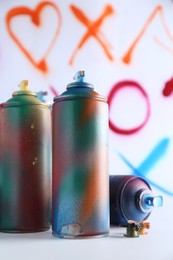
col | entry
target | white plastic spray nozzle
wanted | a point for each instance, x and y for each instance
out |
(24, 85)
(79, 76)
(156, 201)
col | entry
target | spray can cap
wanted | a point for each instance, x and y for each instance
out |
(24, 89)
(79, 89)
(24, 96)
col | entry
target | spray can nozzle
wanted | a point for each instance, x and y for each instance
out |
(156, 201)
(24, 85)
(146, 200)
(79, 76)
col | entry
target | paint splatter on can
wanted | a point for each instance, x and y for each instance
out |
(131, 198)
(25, 163)
(80, 206)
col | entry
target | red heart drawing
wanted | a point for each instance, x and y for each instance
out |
(35, 18)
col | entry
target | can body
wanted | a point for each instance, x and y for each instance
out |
(25, 141)
(80, 167)
(126, 202)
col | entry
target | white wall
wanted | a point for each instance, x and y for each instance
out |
(142, 28)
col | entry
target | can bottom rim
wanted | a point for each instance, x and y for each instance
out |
(80, 236)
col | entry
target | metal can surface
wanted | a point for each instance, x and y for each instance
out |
(131, 198)
(80, 205)
(25, 163)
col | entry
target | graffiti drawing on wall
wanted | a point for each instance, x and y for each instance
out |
(94, 28)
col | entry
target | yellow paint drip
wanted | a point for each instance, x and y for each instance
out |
(35, 161)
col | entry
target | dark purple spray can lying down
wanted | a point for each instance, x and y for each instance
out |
(131, 198)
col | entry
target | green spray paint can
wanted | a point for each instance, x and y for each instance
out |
(80, 205)
(25, 163)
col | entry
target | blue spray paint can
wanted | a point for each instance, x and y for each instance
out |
(80, 206)
(131, 198)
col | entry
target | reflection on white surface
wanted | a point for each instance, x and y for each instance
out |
(157, 244)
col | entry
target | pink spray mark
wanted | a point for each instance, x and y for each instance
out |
(53, 90)
(119, 87)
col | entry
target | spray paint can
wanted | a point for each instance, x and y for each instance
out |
(80, 206)
(131, 198)
(25, 163)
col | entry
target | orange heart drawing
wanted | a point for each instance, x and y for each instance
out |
(35, 18)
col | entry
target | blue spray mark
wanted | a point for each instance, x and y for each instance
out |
(155, 155)
(149, 162)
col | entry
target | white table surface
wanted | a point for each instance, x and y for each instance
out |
(156, 245)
